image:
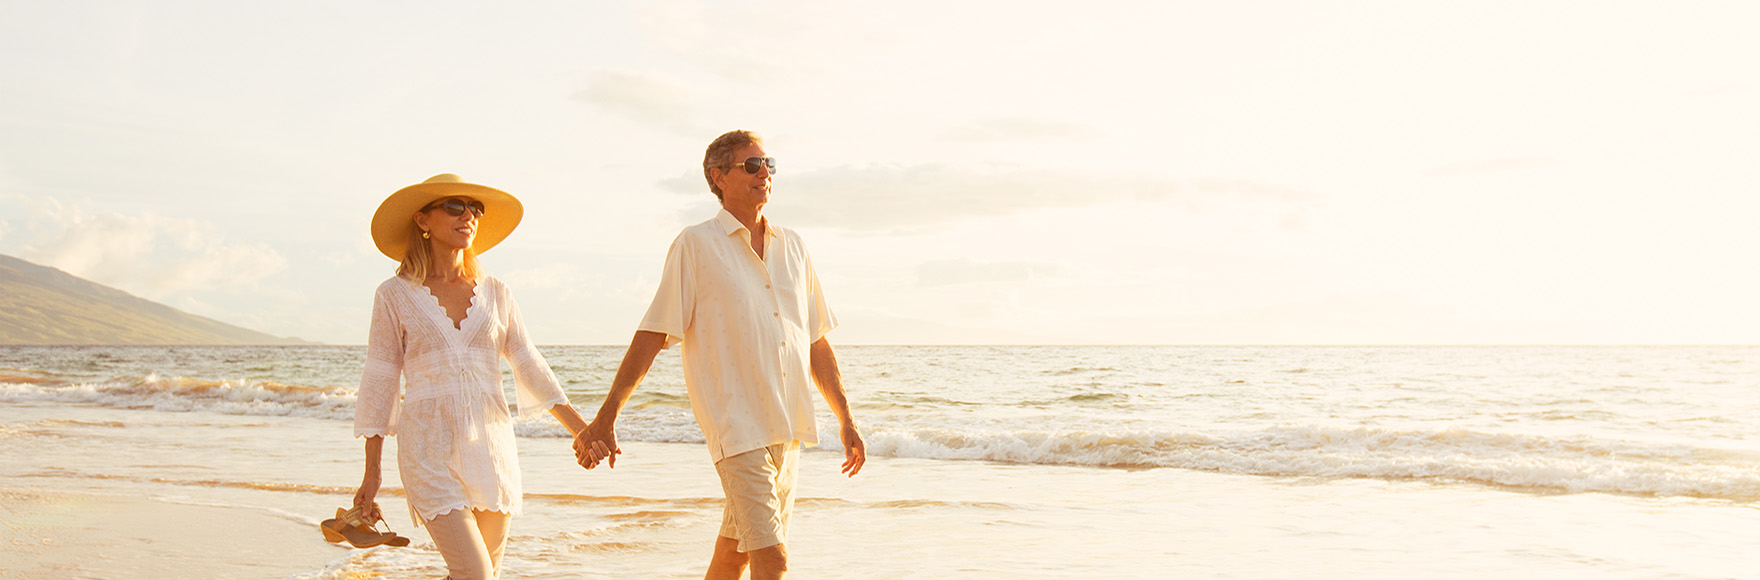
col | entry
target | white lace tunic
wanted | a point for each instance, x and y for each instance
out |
(455, 438)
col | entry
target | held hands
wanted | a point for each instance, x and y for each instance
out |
(598, 442)
(855, 453)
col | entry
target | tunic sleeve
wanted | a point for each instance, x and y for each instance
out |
(534, 384)
(671, 311)
(377, 401)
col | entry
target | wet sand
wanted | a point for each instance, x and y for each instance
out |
(51, 534)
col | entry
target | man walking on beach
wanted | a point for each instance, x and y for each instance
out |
(742, 297)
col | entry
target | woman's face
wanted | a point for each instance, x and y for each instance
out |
(449, 231)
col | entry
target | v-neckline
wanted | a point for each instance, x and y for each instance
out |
(445, 316)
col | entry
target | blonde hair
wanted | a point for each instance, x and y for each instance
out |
(720, 153)
(418, 258)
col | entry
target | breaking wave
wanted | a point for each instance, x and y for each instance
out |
(1507, 460)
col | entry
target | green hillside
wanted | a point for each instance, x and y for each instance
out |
(42, 305)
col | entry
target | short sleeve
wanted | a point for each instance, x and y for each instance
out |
(380, 394)
(535, 385)
(820, 321)
(674, 301)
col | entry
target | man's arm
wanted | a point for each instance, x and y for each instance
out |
(599, 440)
(830, 381)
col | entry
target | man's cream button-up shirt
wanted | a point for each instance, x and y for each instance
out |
(747, 373)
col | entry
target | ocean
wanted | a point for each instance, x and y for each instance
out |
(1002, 462)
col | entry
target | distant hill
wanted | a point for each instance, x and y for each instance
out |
(42, 305)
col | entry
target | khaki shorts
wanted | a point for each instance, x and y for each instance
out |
(760, 493)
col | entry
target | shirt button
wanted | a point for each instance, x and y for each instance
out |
(776, 314)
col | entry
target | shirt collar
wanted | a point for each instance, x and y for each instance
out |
(730, 224)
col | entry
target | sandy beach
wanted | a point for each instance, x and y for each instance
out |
(88, 536)
(1076, 463)
(904, 518)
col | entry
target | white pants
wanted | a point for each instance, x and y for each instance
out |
(471, 541)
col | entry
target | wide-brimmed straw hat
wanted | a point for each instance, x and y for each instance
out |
(501, 213)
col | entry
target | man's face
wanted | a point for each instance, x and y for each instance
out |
(742, 189)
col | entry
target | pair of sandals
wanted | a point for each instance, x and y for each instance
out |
(360, 530)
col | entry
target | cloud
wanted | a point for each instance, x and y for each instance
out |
(1718, 90)
(757, 46)
(1493, 165)
(645, 97)
(1022, 129)
(881, 197)
(146, 254)
(876, 326)
(547, 277)
(687, 183)
(966, 271)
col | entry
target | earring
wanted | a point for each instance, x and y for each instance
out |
(424, 234)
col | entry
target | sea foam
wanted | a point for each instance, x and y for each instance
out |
(187, 394)
(1509, 460)
(1524, 461)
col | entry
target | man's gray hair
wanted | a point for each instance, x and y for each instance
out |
(720, 153)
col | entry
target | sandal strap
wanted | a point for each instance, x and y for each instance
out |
(355, 518)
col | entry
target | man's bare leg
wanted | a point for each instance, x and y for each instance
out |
(727, 564)
(769, 563)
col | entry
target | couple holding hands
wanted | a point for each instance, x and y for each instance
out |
(738, 293)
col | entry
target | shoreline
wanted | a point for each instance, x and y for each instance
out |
(192, 479)
(62, 534)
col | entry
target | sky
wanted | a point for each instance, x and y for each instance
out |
(1010, 172)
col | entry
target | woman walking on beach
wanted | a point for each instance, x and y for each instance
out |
(445, 327)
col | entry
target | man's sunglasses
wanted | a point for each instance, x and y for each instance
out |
(456, 207)
(752, 164)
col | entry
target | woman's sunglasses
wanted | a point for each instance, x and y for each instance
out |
(456, 207)
(752, 164)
